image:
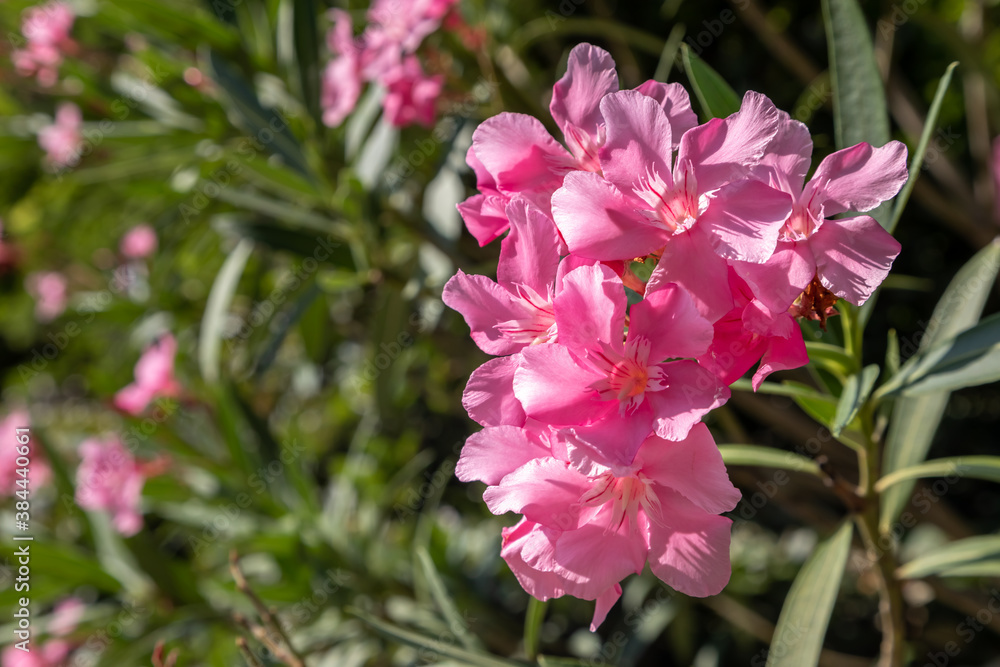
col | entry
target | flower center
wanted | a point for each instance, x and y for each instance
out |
(539, 326)
(676, 205)
(627, 376)
(627, 494)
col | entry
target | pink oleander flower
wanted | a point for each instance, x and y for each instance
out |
(49, 288)
(750, 333)
(342, 82)
(110, 480)
(589, 522)
(46, 29)
(139, 242)
(850, 257)
(66, 616)
(62, 140)
(38, 469)
(51, 653)
(154, 377)
(515, 311)
(513, 154)
(700, 208)
(410, 94)
(614, 389)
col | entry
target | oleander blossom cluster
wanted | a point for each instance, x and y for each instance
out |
(46, 31)
(592, 407)
(384, 53)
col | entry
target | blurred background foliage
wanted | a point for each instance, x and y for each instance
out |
(321, 417)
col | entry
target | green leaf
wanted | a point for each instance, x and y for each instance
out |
(832, 357)
(217, 309)
(669, 55)
(717, 98)
(444, 649)
(988, 567)
(856, 391)
(974, 467)
(798, 636)
(956, 554)
(970, 359)
(859, 107)
(821, 408)
(533, 619)
(444, 602)
(917, 161)
(305, 25)
(264, 126)
(915, 419)
(784, 389)
(755, 455)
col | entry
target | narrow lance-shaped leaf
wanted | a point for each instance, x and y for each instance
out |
(859, 108)
(768, 457)
(954, 554)
(915, 420)
(717, 97)
(798, 637)
(217, 309)
(973, 467)
(444, 602)
(856, 391)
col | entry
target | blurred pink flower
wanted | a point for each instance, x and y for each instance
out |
(154, 376)
(342, 77)
(46, 28)
(109, 479)
(38, 468)
(51, 654)
(49, 290)
(139, 242)
(66, 616)
(62, 140)
(411, 94)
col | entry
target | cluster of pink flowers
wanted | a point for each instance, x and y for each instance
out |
(139, 242)
(592, 407)
(384, 53)
(46, 30)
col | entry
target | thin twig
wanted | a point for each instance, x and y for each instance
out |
(282, 649)
(248, 655)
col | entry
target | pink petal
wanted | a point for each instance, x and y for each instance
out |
(590, 75)
(675, 103)
(638, 139)
(530, 254)
(745, 218)
(485, 216)
(789, 155)
(553, 388)
(605, 602)
(689, 547)
(781, 279)
(519, 153)
(489, 395)
(691, 393)
(133, 399)
(782, 354)
(597, 556)
(669, 319)
(615, 438)
(598, 222)
(494, 452)
(693, 467)
(545, 491)
(723, 150)
(853, 256)
(859, 178)
(690, 260)
(590, 309)
(155, 368)
(484, 304)
(527, 537)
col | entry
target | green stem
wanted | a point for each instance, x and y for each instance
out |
(533, 626)
(891, 602)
